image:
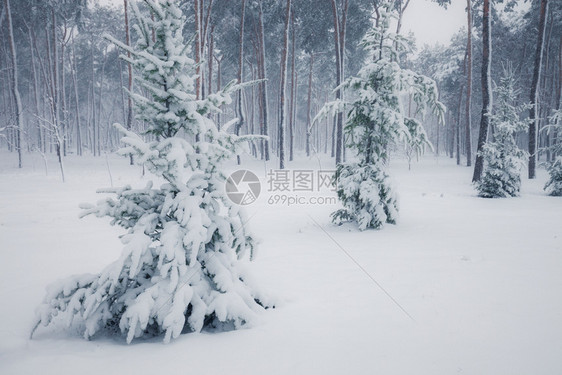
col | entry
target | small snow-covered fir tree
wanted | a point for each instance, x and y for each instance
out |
(182, 267)
(503, 160)
(376, 121)
(554, 184)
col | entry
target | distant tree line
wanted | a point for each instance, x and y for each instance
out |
(70, 81)
(529, 41)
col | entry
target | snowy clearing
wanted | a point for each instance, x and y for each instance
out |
(480, 277)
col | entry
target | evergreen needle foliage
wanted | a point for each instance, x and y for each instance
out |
(503, 160)
(554, 184)
(376, 121)
(183, 263)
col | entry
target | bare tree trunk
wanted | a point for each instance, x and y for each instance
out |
(240, 77)
(468, 140)
(75, 82)
(129, 75)
(309, 103)
(14, 77)
(50, 86)
(100, 103)
(293, 92)
(197, 5)
(250, 109)
(336, 146)
(42, 132)
(263, 75)
(219, 83)
(202, 23)
(56, 97)
(260, 109)
(35, 91)
(534, 91)
(486, 90)
(555, 135)
(210, 60)
(544, 97)
(438, 139)
(458, 127)
(48, 101)
(451, 136)
(283, 88)
(401, 10)
(12, 138)
(327, 125)
(343, 33)
(339, 38)
(334, 126)
(64, 113)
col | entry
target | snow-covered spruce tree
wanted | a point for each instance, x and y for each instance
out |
(554, 184)
(376, 121)
(182, 267)
(503, 160)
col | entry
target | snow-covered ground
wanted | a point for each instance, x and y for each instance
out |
(462, 285)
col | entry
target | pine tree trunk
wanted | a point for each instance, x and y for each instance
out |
(534, 91)
(210, 60)
(555, 135)
(438, 140)
(250, 110)
(546, 96)
(90, 126)
(263, 84)
(100, 103)
(283, 87)
(219, 83)
(56, 97)
(92, 107)
(14, 78)
(42, 133)
(308, 107)
(240, 77)
(458, 127)
(334, 126)
(75, 82)
(293, 92)
(327, 128)
(35, 91)
(339, 117)
(197, 6)
(451, 136)
(64, 119)
(486, 90)
(50, 98)
(129, 76)
(468, 136)
(401, 10)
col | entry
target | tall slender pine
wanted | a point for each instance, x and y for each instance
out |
(376, 121)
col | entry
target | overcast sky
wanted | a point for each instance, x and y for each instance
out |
(429, 22)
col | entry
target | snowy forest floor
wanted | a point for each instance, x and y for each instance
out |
(482, 280)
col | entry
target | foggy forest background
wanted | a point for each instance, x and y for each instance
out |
(61, 80)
